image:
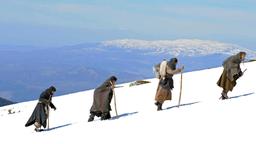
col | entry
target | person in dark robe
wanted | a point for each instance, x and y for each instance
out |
(101, 100)
(164, 91)
(231, 73)
(41, 112)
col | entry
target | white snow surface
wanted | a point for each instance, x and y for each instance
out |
(202, 118)
(187, 47)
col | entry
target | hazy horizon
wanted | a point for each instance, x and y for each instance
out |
(46, 23)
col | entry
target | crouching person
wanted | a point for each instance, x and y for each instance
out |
(41, 112)
(101, 100)
(165, 86)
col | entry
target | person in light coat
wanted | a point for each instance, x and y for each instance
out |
(165, 86)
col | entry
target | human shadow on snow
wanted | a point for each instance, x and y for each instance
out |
(123, 115)
(181, 105)
(243, 95)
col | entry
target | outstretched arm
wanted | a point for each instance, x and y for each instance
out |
(173, 72)
(52, 106)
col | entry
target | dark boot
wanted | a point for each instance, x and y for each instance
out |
(224, 95)
(38, 127)
(105, 116)
(91, 118)
(159, 106)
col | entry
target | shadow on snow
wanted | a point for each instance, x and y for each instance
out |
(123, 115)
(57, 127)
(243, 95)
(181, 105)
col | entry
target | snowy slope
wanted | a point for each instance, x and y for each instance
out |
(185, 47)
(202, 118)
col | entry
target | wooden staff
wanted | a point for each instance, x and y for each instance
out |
(180, 88)
(48, 121)
(113, 86)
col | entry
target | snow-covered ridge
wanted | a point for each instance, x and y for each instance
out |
(188, 47)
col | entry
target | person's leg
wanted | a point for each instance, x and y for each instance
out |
(91, 117)
(105, 116)
(224, 94)
(156, 103)
(38, 126)
(159, 105)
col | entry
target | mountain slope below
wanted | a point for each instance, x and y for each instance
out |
(201, 118)
(83, 66)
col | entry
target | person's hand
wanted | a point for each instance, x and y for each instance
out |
(182, 68)
(240, 73)
(236, 76)
(112, 85)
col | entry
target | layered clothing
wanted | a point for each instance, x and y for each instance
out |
(41, 111)
(231, 73)
(166, 81)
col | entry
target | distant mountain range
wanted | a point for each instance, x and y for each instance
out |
(4, 102)
(181, 47)
(26, 71)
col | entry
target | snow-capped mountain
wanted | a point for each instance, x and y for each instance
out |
(184, 47)
(202, 118)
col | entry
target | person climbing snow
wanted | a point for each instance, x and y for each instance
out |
(165, 86)
(231, 73)
(41, 112)
(101, 100)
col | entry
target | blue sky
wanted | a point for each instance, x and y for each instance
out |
(67, 22)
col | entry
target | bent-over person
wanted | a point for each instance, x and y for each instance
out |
(41, 112)
(101, 100)
(230, 74)
(165, 86)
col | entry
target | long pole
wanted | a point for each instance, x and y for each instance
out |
(48, 125)
(115, 102)
(180, 88)
(245, 70)
(113, 86)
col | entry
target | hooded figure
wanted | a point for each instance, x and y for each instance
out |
(101, 100)
(167, 70)
(231, 73)
(40, 114)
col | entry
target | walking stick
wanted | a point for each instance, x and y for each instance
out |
(245, 70)
(48, 121)
(115, 102)
(180, 88)
(113, 86)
